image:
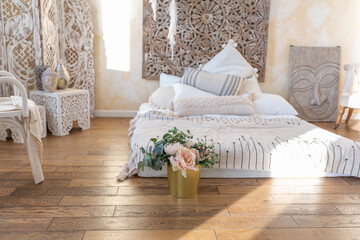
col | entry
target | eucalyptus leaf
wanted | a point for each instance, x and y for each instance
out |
(158, 150)
(157, 165)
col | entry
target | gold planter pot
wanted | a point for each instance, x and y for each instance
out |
(182, 187)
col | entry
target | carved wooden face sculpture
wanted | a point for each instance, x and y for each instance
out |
(313, 89)
(314, 82)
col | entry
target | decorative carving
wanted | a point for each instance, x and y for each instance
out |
(203, 26)
(314, 82)
(20, 41)
(15, 131)
(63, 107)
(76, 45)
(5, 127)
(66, 33)
(50, 38)
(207, 18)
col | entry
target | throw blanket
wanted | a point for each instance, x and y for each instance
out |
(34, 123)
(265, 143)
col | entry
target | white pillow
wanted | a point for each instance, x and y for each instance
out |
(186, 91)
(162, 97)
(229, 61)
(250, 85)
(271, 104)
(168, 80)
(222, 105)
(218, 84)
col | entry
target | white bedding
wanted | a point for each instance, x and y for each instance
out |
(275, 145)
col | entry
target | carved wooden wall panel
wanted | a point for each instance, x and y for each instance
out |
(20, 40)
(76, 45)
(50, 37)
(314, 82)
(203, 27)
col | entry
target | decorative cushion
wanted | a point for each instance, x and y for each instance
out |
(250, 85)
(229, 61)
(162, 97)
(223, 105)
(186, 91)
(218, 84)
(168, 80)
(271, 104)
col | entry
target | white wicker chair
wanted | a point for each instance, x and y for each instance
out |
(350, 96)
(20, 119)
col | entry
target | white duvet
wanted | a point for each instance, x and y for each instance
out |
(264, 143)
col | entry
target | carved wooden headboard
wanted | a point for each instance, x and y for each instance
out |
(203, 27)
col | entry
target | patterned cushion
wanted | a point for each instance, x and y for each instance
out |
(223, 105)
(218, 84)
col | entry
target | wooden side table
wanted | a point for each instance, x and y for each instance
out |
(63, 107)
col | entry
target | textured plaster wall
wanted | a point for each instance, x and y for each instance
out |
(309, 23)
(292, 22)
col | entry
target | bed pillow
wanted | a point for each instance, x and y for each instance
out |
(162, 97)
(186, 91)
(250, 85)
(229, 61)
(218, 84)
(271, 104)
(222, 105)
(168, 80)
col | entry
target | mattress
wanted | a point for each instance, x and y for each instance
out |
(234, 173)
(250, 146)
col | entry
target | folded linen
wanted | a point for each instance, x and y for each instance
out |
(7, 105)
(34, 122)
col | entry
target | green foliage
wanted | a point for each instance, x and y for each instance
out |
(208, 157)
(156, 157)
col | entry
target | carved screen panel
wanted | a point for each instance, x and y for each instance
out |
(203, 27)
(314, 82)
(50, 38)
(76, 45)
(20, 38)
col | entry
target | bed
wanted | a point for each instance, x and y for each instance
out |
(215, 104)
(248, 147)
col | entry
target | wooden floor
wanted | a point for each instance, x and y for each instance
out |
(81, 198)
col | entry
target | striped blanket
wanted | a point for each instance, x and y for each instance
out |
(264, 143)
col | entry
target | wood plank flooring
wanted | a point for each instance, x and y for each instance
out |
(81, 198)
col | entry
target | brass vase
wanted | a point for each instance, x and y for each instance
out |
(182, 187)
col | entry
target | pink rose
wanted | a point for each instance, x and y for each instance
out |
(184, 159)
(196, 152)
(171, 149)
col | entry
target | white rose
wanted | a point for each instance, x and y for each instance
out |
(171, 149)
(189, 144)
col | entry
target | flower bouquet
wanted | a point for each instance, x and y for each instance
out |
(184, 159)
